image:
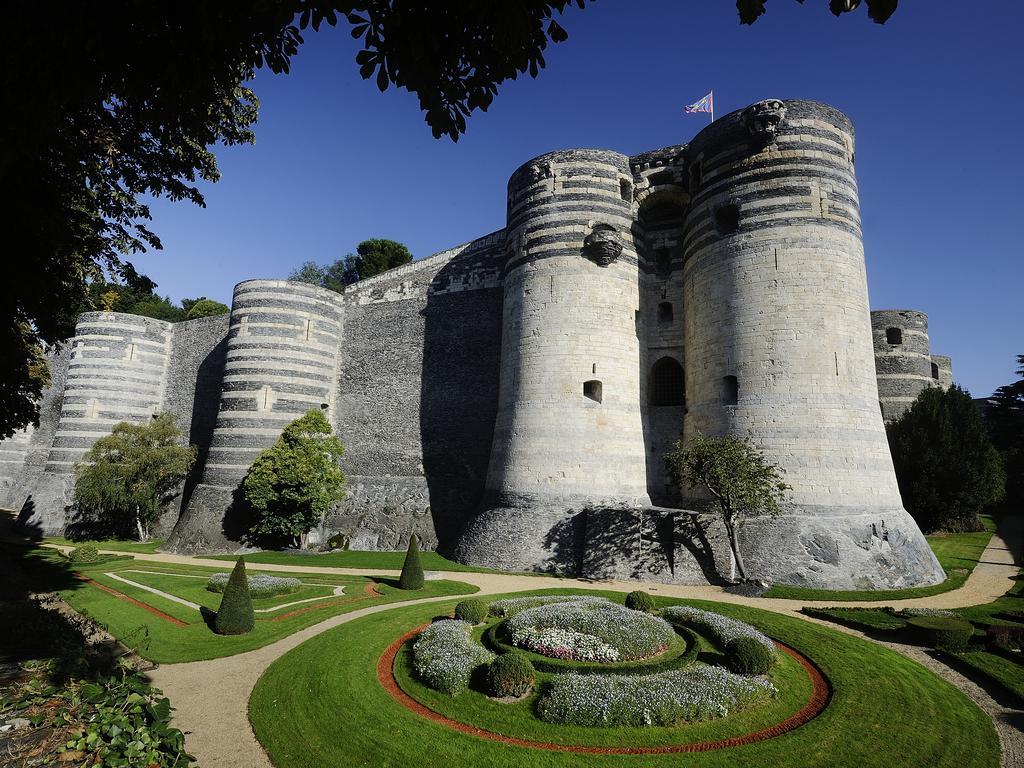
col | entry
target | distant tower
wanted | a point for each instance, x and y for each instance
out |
(903, 360)
(117, 371)
(778, 344)
(568, 434)
(282, 361)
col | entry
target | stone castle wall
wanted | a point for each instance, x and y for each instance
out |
(511, 400)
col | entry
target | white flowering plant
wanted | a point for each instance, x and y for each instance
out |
(590, 630)
(721, 628)
(511, 606)
(696, 693)
(260, 584)
(445, 656)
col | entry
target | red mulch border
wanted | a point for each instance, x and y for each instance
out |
(145, 606)
(821, 695)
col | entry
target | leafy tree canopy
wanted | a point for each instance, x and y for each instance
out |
(1005, 418)
(292, 484)
(740, 479)
(123, 481)
(372, 257)
(124, 100)
(202, 307)
(947, 468)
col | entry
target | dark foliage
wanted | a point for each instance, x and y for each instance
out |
(941, 632)
(879, 11)
(947, 469)
(472, 611)
(640, 601)
(510, 675)
(746, 656)
(122, 100)
(1005, 418)
(235, 615)
(412, 569)
(372, 257)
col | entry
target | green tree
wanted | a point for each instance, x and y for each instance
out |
(308, 272)
(235, 615)
(1005, 418)
(946, 466)
(292, 484)
(378, 255)
(158, 308)
(412, 568)
(124, 100)
(124, 480)
(739, 478)
(203, 307)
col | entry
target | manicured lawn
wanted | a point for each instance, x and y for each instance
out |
(376, 560)
(886, 710)
(118, 545)
(957, 553)
(863, 619)
(161, 640)
(1008, 674)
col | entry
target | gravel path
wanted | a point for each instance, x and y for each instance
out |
(211, 697)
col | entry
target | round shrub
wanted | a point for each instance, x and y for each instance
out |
(509, 676)
(472, 611)
(640, 601)
(235, 615)
(941, 632)
(747, 656)
(87, 553)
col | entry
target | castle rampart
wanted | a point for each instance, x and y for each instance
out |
(511, 400)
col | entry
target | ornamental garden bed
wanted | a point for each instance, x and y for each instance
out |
(675, 692)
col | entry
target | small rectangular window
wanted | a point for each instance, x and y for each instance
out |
(592, 390)
(730, 390)
(894, 335)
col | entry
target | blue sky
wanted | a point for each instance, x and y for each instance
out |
(935, 96)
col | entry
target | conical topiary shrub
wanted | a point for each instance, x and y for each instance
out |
(412, 569)
(235, 616)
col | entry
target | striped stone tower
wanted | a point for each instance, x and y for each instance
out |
(282, 360)
(568, 434)
(117, 372)
(903, 359)
(778, 344)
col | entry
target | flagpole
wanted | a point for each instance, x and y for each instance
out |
(712, 105)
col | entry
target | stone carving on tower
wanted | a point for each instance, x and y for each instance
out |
(603, 245)
(764, 119)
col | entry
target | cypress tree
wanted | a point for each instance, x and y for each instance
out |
(412, 569)
(235, 616)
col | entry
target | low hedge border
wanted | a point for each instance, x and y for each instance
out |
(681, 654)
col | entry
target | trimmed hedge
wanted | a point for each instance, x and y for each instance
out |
(235, 615)
(472, 611)
(746, 656)
(863, 619)
(640, 601)
(412, 569)
(85, 554)
(510, 676)
(941, 632)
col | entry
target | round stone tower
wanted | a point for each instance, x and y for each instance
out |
(903, 361)
(282, 361)
(568, 434)
(778, 344)
(117, 370)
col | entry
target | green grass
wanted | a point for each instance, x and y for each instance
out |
(957, 553)
(161, 641)
(863, 619)
(1008, 674)
(118, 545)
(886, 710)
(385, 561)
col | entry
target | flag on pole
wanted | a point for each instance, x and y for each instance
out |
(707, 104)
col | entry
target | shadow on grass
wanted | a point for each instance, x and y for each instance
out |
(1002, 696)
(209, 617)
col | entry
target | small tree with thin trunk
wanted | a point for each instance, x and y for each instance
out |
(235, 615)
(123, 481)
(739, 478)
(412, 569)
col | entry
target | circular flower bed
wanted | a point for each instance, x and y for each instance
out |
(260, 584)
(589, 631)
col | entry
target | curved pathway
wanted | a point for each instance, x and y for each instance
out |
(211, 697)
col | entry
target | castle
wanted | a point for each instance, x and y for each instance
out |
(511, 400)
